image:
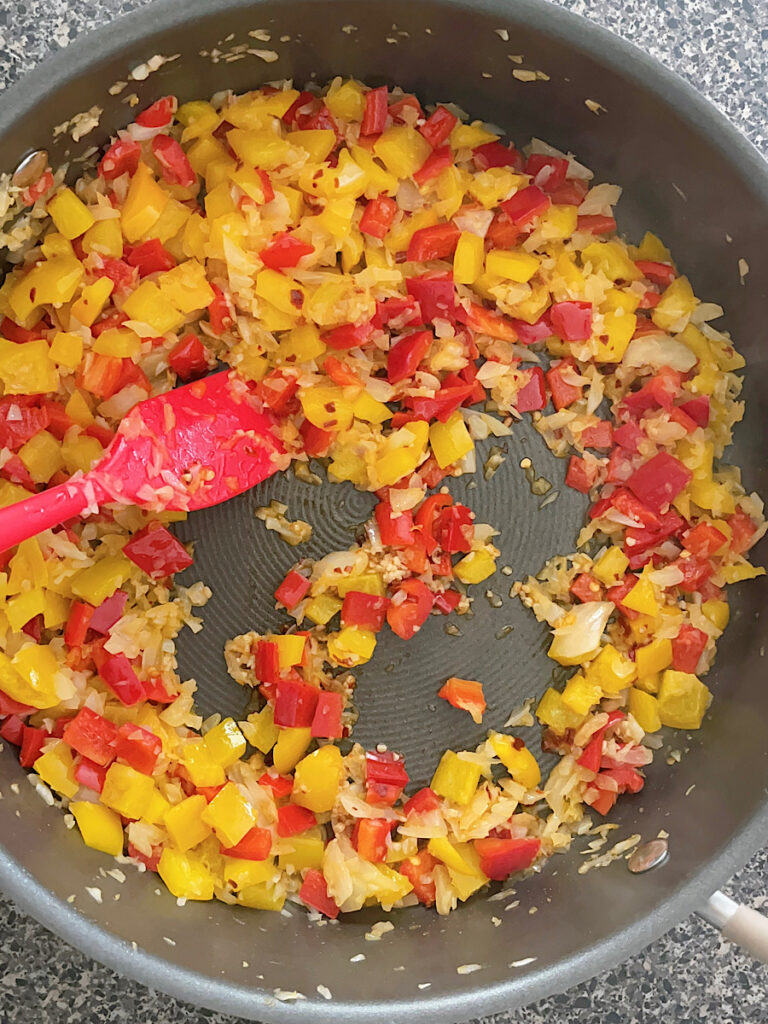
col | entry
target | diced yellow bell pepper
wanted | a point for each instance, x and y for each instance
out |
(369, 409)
(364, 583)
(262, 149)
(612, 259)
(552, 711)
(70, 214)
(157, 808)
(468, 258)
(653, 657)
(55, 610)
(336, 219)
(351, 646)
(322, 608)
(41, 454)
(20, 609)
(28, 566)
(171, 223)
(461, 857)
(148, 305)
(475, 567)
(512, 266)
(346, 179)
(281, 291)
(494, 185)
(347, 465)
(185, 877)
(610, 566)
(203, 151)
(612, 670)
(197, 114)
(717, 612)
(67, 350)
(195, 237)
(465, 885)
(201, 767)
(301, 345)
(650, 683)
(11, 493)
(517, 759)
(53, 281)
(581, 694)
(38, 667)
(451, 187)
(469, 136)
(143, 205)
(572, 279)
(676, 304)
(558, 222)
(54, 244)
(230, 815)
(219, 202)
(127, 791)
(402, 452)
(401, 232)
(105, 238)
(402, 150)
(92, 301)
(186, 287)
(119, 342)
(347, 102)
(27, 369)
(100, 828)
(242, 873)
(262, 897)
(450, 441)
(682, 700)
(80, 452)
(77, 408)
(740, 572)
(18, 689)
(260, 729)
(98, 582)
(380, 181)
(317, 778)
(318, 142)
(612, 343)
(289, 748)
(645, 709)
(185, 824)
(456, 778)
(616, 300)
(225, 742)
(305, 852)
(642, 597)
(290, 650)
(652, 248)
(57, 769)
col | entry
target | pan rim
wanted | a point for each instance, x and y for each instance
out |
(86, 935)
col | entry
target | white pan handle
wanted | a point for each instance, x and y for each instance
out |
(739, 924)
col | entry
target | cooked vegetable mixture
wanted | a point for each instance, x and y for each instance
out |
(394, 283)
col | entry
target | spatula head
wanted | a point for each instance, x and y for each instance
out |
(191, 448)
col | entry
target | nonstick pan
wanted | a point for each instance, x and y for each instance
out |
(687, 176)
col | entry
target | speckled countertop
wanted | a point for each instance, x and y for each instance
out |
(689, 975)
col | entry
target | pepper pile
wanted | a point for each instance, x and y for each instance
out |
(395, 285)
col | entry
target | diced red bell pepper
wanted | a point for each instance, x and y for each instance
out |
(302, 103)
(603, 801)
(319, 119)
(650, 300)
(434, 243)
(80, 615)
(378, 216)
(348, 336)
(628, 779)
(20, 420)
(496, 154)
(293, 819)
(442, 405)
(316, 440)
(395, 530)
(369, 838)
(150, 257)
(188, 358)
(138, 747)
(174, 164)
(581, 475)
(415, 557)
(292, 590)
(627, 436)
(499, 858)
(34, 628)
(277, 391)
(485, 321)
(122, 274)
(108, 613)
(155, 550)
(660, 273)
(38, 189)
(659, 481)
(593, 752)
(447, 601)
(101, 376)
(295, 703)
(266, 661)
(255, 845)
(9, 706)
(19, 335)
(422, 802)
(438, 126)
(375, 113)
(698, 409)
(629, 505)
(326, 723)
(677, 415)
(704, 540)
(90, 774)
(93, 736)
(743, 531)
(435, 294)
(563, 393)
(586, 588)
(219, 313)
(695, 572)
(314, 892)
(405, 356)
(407, 105)
(398, 311)
(418, 870)
(31, 745)
(502, 232)
(532, 396)
(600, 435)
(12, 730)
(596, 224)
(385, 777)
(58, 419)
(570, 193)
(119, 675)
(368, 611)
(525, 206)
(548, 172)
(13, 469)
(454, 529)
(285, 251)
(122, 157)
(154, 689)
(687, 648)
(437, 162)
(280, 785)
(466, 695)
(660, 391)
(159, 114)
(406, 617)
(108, 323)
(571, 321)
(426, 516)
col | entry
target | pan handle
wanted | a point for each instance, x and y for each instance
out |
(739, 924)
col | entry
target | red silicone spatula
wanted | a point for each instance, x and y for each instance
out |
(191, 448)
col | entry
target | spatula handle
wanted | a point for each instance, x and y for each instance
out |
(40, 512)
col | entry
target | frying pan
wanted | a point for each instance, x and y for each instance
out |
(689, 177)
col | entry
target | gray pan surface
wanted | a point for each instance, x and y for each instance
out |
(655, 135)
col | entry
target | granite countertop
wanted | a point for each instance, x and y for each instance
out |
(689, 975)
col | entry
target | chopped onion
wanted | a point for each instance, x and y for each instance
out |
(600, 199)
(657, 350)
(577, 636)
(476, 222)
